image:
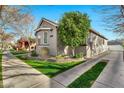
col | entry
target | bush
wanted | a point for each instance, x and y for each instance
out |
(79, 55)
(18, 52)
(22, 57)
(12, 50)
(33, 53)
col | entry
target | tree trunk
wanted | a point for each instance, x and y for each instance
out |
(2, 46)
(29, 48)
(73, 52)
(66, 50)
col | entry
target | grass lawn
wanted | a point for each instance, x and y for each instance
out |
(1, 82)
(50, 69)
(87, 79)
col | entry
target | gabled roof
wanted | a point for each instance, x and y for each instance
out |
(55, 24)
(97, 33)
(49, 21)
(43, 28)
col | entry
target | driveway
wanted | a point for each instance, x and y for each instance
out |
(113, 74)
(115, 47)
(67, 77)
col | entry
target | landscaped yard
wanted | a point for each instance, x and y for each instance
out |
(18, 52)
(1, 83)
(87, 79)
(48, 68)
(51, 69)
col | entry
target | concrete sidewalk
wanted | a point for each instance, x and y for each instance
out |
(65, 78)
(113, 74)
(17, 74)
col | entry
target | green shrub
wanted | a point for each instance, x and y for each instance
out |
(79, 55)
(33, 53)
(23, 57)
(23, 51)
(19, 52)
(12, 50)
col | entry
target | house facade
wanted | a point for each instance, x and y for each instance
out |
(47, 37)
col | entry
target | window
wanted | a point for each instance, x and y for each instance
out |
(45, 37)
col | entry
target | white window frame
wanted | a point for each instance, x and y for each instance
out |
(44, 37)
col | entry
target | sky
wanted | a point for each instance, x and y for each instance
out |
(55, 12)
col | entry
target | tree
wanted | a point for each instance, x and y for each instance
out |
(16, 19)
(25, 29)
(5, 39)
(73, 29)
(11, 15)
(113, 18)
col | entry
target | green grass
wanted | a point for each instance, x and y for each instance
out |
(87, 79)
(50, 69)
(1, 82)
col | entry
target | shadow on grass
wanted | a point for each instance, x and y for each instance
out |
(47, 68)
(52, 69)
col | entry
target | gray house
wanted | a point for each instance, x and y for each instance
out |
(47, 36)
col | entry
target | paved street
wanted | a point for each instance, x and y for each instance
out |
(113, 74)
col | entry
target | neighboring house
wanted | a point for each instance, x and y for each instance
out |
(24, 44)
(47, 36)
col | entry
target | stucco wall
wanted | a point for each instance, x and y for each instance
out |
(52, 39)
(99, 45)
(68, 50)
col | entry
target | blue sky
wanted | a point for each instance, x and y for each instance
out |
(55, 12)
